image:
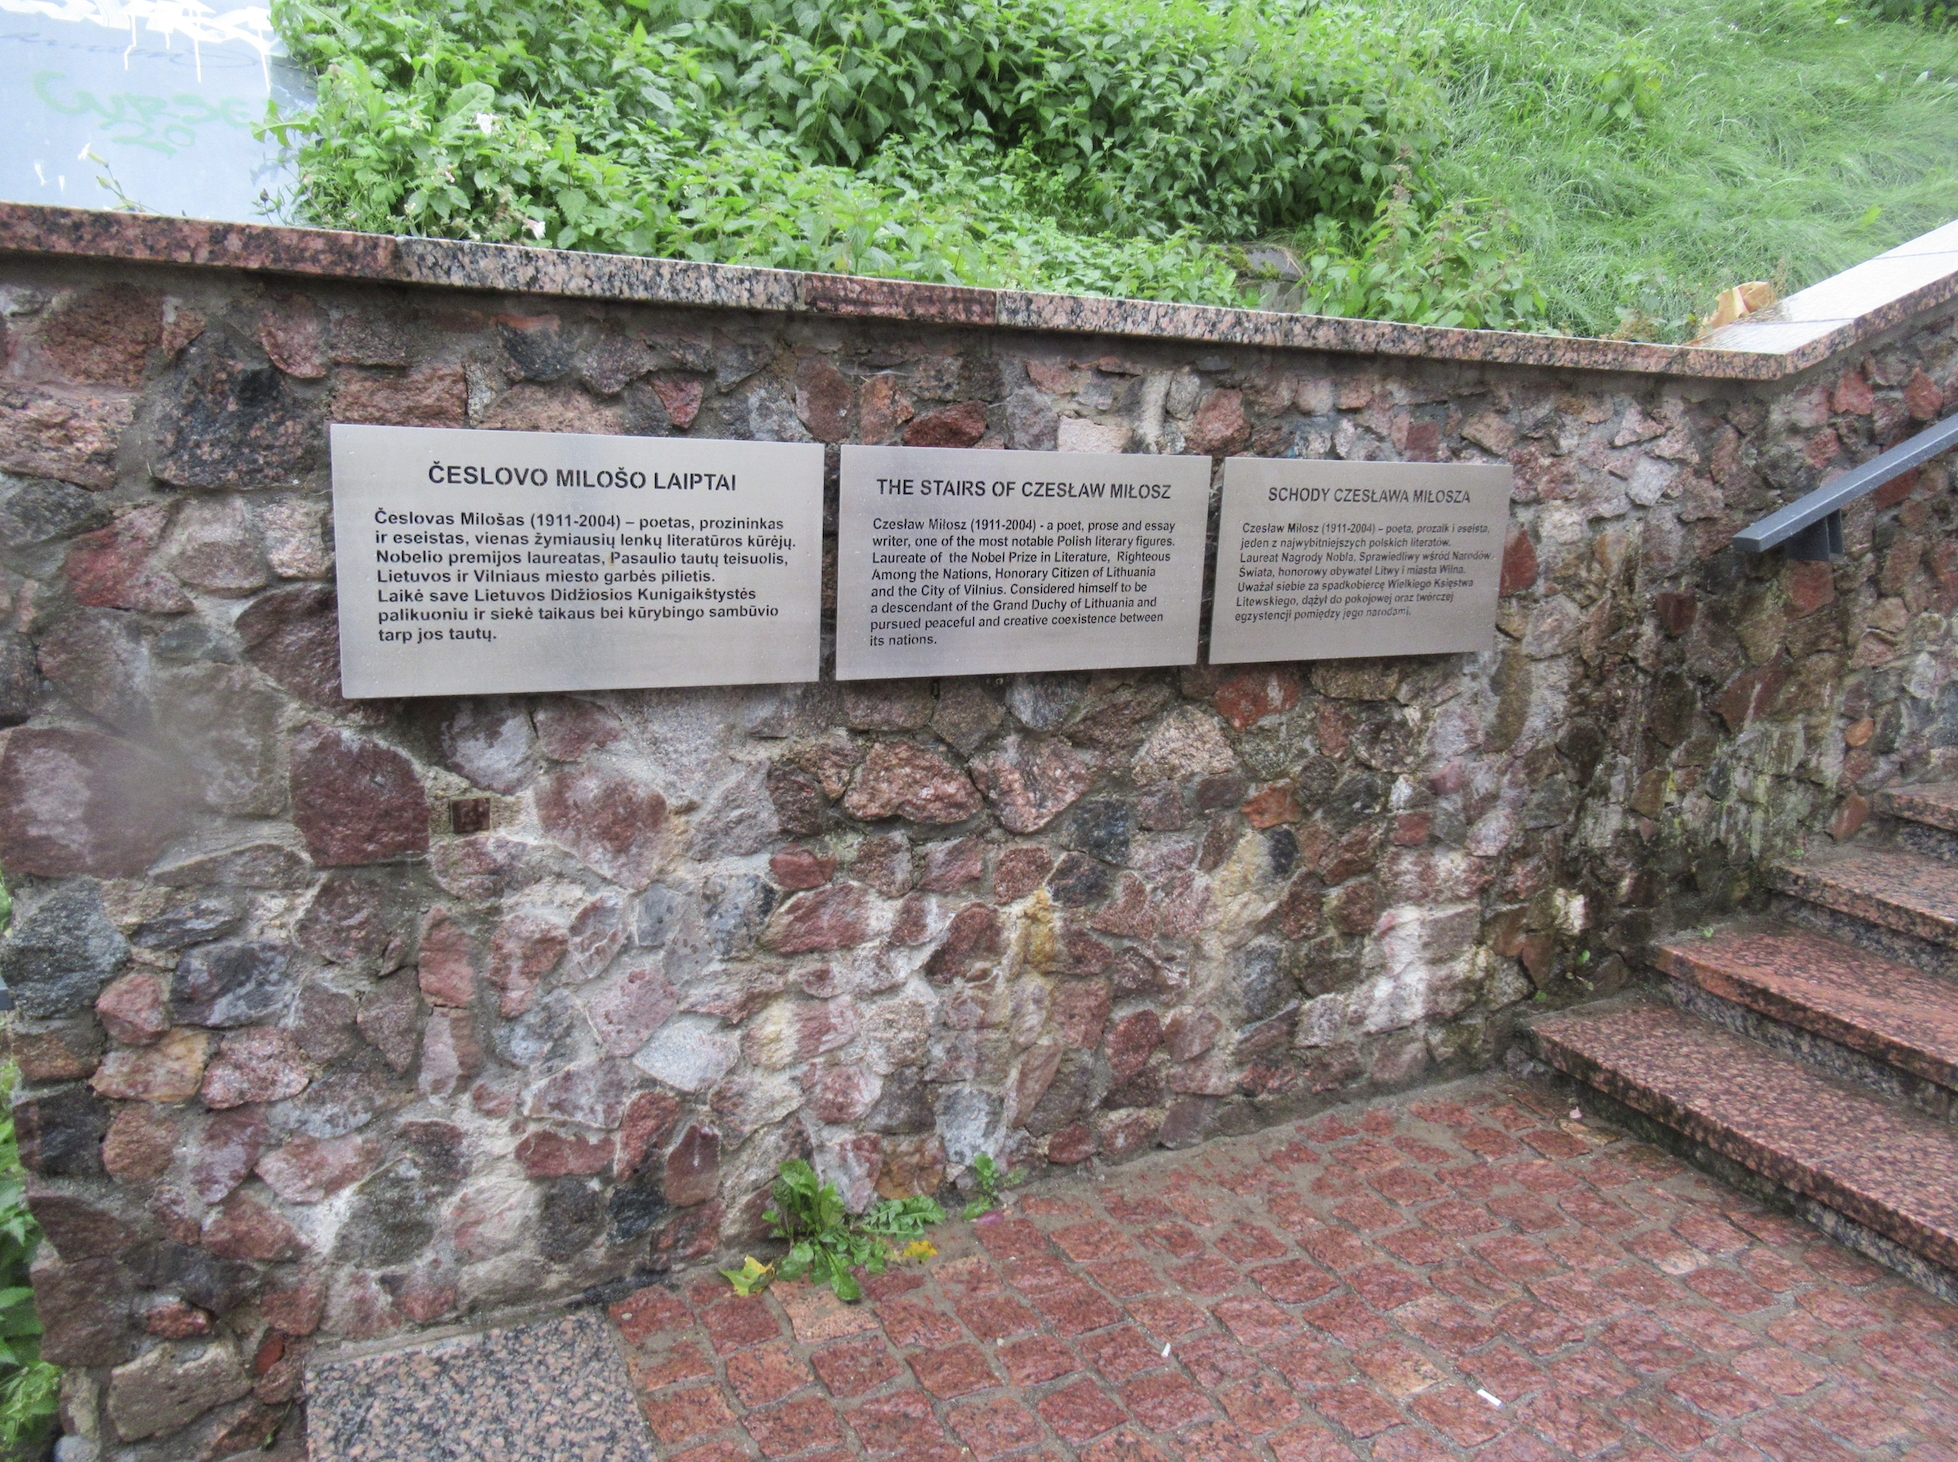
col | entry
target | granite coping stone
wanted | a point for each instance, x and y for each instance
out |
(1894, 887)
(1934, 804)
(1882, 1165)
(1803, 978)
(1806, 329)
(554, 1390)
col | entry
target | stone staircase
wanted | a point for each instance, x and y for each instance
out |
(1811, 1055)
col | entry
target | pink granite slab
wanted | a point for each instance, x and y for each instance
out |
(1885, 293)
(1891, 1011)
(1894, 887)
(1933, 803)
(1882, 1165)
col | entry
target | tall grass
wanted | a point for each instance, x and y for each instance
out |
(1772, 139)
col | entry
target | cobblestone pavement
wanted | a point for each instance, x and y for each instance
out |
(1369, 1283)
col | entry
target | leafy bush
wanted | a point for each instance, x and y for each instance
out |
(1446, 268)
(29, 1387)
(1069, 145)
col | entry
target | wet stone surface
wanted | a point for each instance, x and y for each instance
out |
(1366, 1284)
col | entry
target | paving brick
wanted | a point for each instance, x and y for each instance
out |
(855, 1368)
(686, 1361)
(739, 1324)
(1351, 1296)
(1035, 1361)
(1214, 1359)
(1570, 1424)
(1357, 1408)
(1081, 1412)
(909, 1324)
(1260, 1404)
(997, 1318)
(1076, 1309)
(1124, 1446)
(1406, 1444)
(794, 1426)
(1122, 1354)
(955, 1370)
(1295, 1282)
(1309, 1363)
(1248, 1243)
(768, 1373)
(900, 1423)
(995, 1428)
(1094, 1240)
(1169, 1317)
(1204, 1276)
(650, 1312)
(1127, 1278)
(1166, 1402)
(1309, 1444)
(1718, 1392)
(680, 1417)
(1397, 1369)
(1460, 1415)
(1255, 1320)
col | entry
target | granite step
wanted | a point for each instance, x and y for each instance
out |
(1883, 1166)
(1923, 819)
(1934, 803)
(1890, 1012)
(1893, 888)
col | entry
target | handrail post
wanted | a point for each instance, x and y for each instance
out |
(1819, 542)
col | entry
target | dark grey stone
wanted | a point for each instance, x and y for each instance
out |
(1357, 797)
(1102, 829)
(1067, 1098)
(1282, 849)
(1317, 776)
(38, 510)
(238, 424)
(391, 1220)
(636, 1207)
(572, 1215)
(20, 680)
(210, 1283)
(657, 913)
(904, 1107)
(1044, 702)
(85, 1309)
(198, 922)
(234, 983)
(59, 954)
(1263, 985)
(191, 639)
(734, 909)
(61, 1131)
(338, 1103)
(1080, 880)
(544, 1039)
(538, 355)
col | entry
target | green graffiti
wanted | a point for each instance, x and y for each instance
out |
(166, 125)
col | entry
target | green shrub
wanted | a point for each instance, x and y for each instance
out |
(29, 1387)
(1077, 146)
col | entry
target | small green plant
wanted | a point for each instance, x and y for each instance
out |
(992, 1181)
(29, 1386)
(829, 1245)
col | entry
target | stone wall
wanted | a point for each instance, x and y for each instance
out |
(340, 1018)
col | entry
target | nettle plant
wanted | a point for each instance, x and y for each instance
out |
(1074, 145)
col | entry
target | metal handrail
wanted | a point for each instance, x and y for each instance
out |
(1811, 527)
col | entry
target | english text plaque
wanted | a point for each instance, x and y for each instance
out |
(972, 562)
(474, 562)
(1326, 560)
